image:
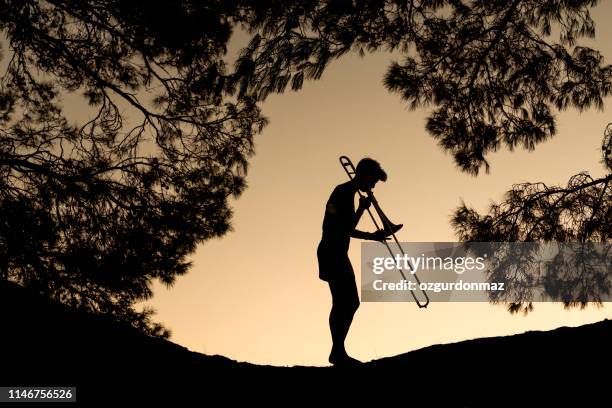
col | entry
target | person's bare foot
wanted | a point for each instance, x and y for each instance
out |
(350, 361)
(343, 360)
(334, 357)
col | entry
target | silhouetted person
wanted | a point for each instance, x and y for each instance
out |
(334, 264)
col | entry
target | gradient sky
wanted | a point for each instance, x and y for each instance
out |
(254, 295)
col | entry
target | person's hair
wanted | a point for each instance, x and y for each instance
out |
(371, 167)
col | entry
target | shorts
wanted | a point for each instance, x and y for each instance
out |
(333, 263)
(335, 268)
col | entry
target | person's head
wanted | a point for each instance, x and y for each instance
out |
(368, 173)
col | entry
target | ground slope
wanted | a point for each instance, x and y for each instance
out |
(45, 344)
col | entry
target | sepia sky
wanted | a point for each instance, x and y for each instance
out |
(254, 295)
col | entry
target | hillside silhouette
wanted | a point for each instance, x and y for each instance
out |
(47, 344)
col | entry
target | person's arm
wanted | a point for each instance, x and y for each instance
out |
(362, 234)
(379, 235)
(346, 220)
(364, 204)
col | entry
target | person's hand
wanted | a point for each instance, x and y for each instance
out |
(365, 202)
(380, 235)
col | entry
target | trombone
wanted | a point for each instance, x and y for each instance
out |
(389, 227)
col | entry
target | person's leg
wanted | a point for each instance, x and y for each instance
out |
(345, 302)
(338, 332)
(339, 323)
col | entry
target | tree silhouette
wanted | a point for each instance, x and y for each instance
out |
(492, 69)
(580, 213)
(91, 212)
